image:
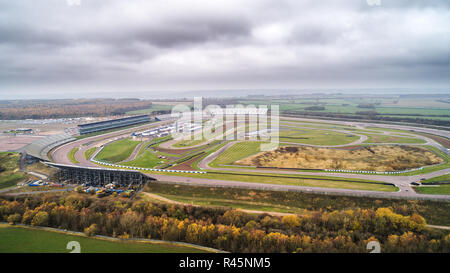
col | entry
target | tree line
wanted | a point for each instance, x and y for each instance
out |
(69, 108)
(372, 115)
(227, 229)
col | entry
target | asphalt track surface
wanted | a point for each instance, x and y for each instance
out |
(59, 155)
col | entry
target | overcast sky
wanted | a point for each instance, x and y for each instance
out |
(101, 46)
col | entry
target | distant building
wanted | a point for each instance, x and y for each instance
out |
(27, 131)
(111, 124)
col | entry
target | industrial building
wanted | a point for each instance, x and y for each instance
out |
(111, 124)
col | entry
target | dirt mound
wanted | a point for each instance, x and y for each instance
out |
(373, 158)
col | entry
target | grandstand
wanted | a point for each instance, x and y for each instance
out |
(111, 124)
(41, 147)
(99, 176)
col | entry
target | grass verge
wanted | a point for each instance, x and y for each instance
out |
(71, 155)
(26, 240)
(117, 151)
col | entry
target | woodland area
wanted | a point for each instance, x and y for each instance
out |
(346, 230)
(68, 108)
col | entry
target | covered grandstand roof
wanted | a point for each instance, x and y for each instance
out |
(111, 120)
(41, 147)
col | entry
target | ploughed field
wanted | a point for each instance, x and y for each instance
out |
(367, 158)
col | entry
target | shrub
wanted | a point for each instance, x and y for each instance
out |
(40, 219)
(14, 218)
(91, 230)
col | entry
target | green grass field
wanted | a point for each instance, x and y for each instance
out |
(144, 159)
(117, 151)
(89, 152)
(438, 189)
(393, 139)
(294, 180)
(9, 170)
(188, 143)
(316, 137)
(435, 189)
(25, 240)
(411, 108)
(442, 178)
(237, 151)
(71, 155)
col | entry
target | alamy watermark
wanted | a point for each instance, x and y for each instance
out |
(73, 2)
(373, 2)
(234, 122)
(74, 246)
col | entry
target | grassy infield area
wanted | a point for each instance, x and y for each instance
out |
(442, 185)
(117, 151)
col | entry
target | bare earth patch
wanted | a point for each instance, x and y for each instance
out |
(373, 158)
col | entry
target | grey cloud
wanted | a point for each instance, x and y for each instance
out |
(207, 44)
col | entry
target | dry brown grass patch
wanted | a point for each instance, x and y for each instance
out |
(373, 158)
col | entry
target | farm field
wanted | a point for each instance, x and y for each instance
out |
(154, 108)
(373, 158)
(351, 107)
(25, 240)
(117, 151)
(397, 109)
